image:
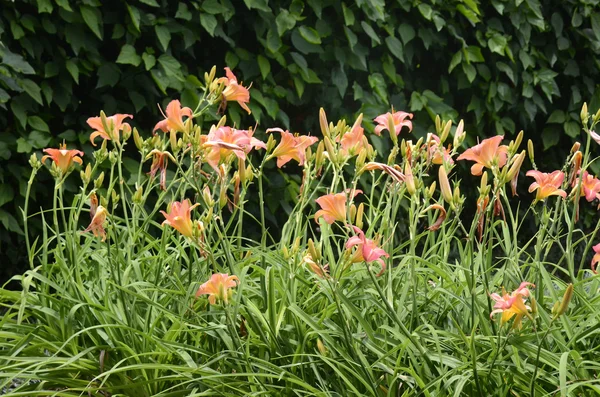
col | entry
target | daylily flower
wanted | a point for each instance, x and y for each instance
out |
(398, 120)
(596, 257)
(513, 304)
(367, 251)
(218, 288)
(114, 124)
(291, 147)
(224, 141)
(486, 154)
(547, 184)
(179, 217)
(354, 141)
(160, 160)
(333, 207)
(436, 153)
(395, 173)
(595, 137)
(590, 186)
(234, 91)
(321, 272)
(97, 224)
(174, 117)
(63, 158)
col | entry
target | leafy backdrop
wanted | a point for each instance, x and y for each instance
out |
(502, 65)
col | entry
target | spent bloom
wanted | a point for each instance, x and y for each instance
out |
(160, 160)
(547, 184)
(224, 141)
(291, 147)
(179, 217)
(234, 91)
(173, 117)
(398, 120)
(486, 154)
(110, 129)
(63, 158)
(218, 287)
(333, 207)
(318, 270)
(367, 251)
(512, 304)
(97, 224)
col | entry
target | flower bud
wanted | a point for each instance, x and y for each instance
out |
(459, 134)
(392, 128)
(221, 122)
(222, 196)
(113, 157)
(173, 141)
(353, 214)
(114, 196)
(320, 157)
(87, 174)
(126, 132)
(530, 151)
(575, 147)
(456, 199)
(323, 122)
(137, 139)
(564, 304)
(321, 347)
(207, 196)
(208, 78)
(438, 124)
(584, 114)
(361, 159)
(533, 304)
(409, 179)
(446, 131)
(34, 162)
(270, 143)
(330, 150)
(98, 182)
(138, 195)
(431, 189)
(314, 252)
(445, 185)
(359, 215)
(597, 116)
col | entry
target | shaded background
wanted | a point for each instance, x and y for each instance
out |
(503, 66)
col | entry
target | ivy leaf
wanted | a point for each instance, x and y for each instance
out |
(261, 5)
(310, 35)
(284, 21)
(38, 139)
(395, 47)
(23, 146)
(93, 19)
(425, 10)
(134, 14)
(209, 22)
(6, 194)
(572, 129)
(497, 43)
(456, 59)
(73, 70)
(370, 32)
(108, 74)
(37, 123)
(128, 56)
(164, 36)
(149, 60)
(183, 12)
(171, 65)
(33, 90)
(340, 80)
(407, 33)
(17, 63)
(151, 3)
(264, 66)
(470, 71)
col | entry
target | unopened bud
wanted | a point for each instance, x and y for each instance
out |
(312, 249)
(173, 141)
(513, 173)
(114, 196)
(392, 128)
(330, 149)
(361, 159)
(34, 162)
(584, 114)
(208, 78)
(446, 131)
(575, 147)
(137, 139)
(533, 304)
(530, 151)
(320, 157)
(392, 156)
(98, 182)
(353, 214)
(459, 134)
(113, 157)
(222, 122)
(207, 196)
(431, 189)
(484, 181)
(296, 245)
(222, 196)
(138, 195)
(359, 216)
(445, 185)
(126, 132)
(456, 199)
(518, 140)
(564, 304)
(597, 116)
(270, 143)
(87, 174)
(438, 124)
(409, 179)
(321, 347)
(323, 122)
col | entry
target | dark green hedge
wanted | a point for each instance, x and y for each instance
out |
(501, 65)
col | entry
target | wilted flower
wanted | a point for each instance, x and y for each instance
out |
(367, 251)
(320, 271)
(97, 224)
(224, 141)
(486, 154)
(333, 207)
(218, 288)
(179, 217)
(234, 91)
(395, 173)
(114, 124)
(160, 160)
(513, 304)
(174, 117)
(547, 184)
(398, 120)
(63, 158)
(291, 147)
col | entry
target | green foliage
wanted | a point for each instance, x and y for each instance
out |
(504, 65)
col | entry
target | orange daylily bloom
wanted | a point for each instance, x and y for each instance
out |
(179, 217)
(234, 91)
(174, 117)
(160, 160)
(398, 120)
(333, 207)
(291, 147)
(224, 141)
(218, 287)
(596, 257)
(63, 158)
(114, 123)
(513, 304)
(547, 184)
(368, 251)
(486, 154)
(590, 186)
(354, 141)
(97, 224)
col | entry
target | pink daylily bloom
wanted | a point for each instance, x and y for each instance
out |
(174, 117)
(224, 141)
(218, 287)
(114, 123)
(367, 251)
(485, 154)
(179, 217)
(513, 304)
(547, 184)
(398, 120)
(436, 153)
(291, 147)
(234, 91)
(596, 257)
(590, 186)
(63, 158)
(333, 207)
